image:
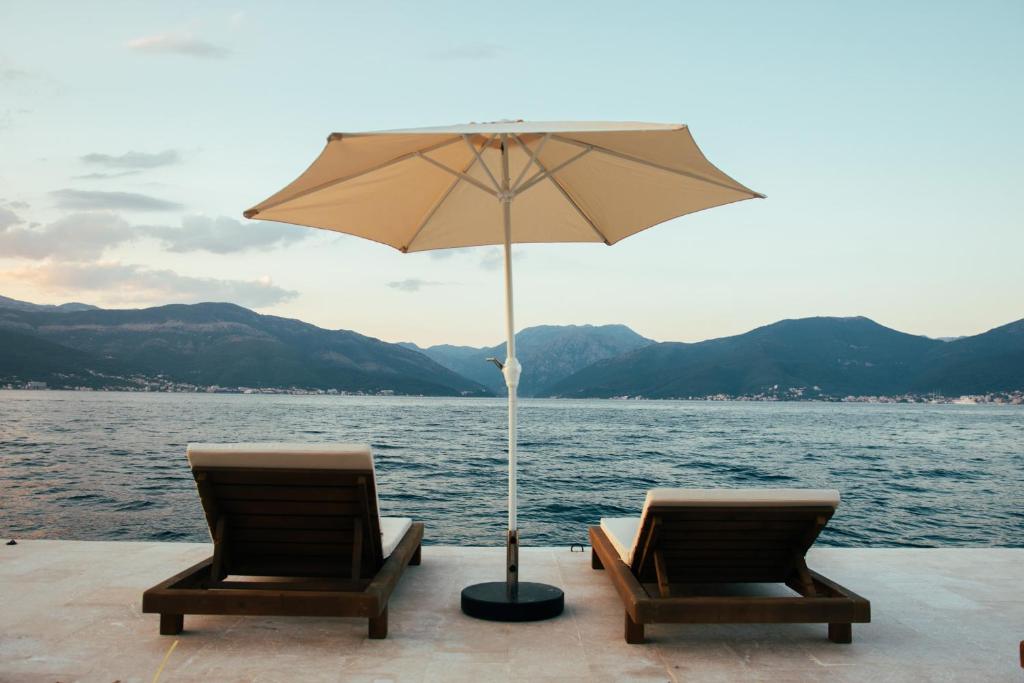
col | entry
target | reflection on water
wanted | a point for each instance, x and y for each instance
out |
(112, 466)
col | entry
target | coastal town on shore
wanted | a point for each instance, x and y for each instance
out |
(160, 384)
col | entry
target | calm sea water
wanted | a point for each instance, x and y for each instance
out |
(112, 466)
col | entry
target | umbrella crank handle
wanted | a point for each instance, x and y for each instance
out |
(497, 363)
(512, 565)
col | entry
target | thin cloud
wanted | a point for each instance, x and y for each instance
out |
(6, 119)
(177, 44)
(412, 284)
(223, 235)
(445, 254)
(133, 160)
(19, 81)
(492, 259)
(76, 237)
(470, 52)
(104, 176)
(9, 75)
(88, 200)
(119, 283)
(7, 219)
(84, 236)
(488, 258)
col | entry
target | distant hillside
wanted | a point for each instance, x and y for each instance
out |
(992, 361)
(839, 356)
(25, 358)
(548, 354)
(5, 302)
(217, 344)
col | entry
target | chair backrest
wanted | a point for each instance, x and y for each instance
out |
(288, 510)
(730, 535)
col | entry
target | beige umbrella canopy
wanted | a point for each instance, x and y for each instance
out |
(504, 183)
(435, 188)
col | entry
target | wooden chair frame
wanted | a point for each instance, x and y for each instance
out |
(687, 546)
(312, 537)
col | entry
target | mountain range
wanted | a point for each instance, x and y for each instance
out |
(209, 344)
(230, 346)
(547, 353)
(822, 356)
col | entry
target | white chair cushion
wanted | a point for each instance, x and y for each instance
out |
(345, 456)
(392, 531)
(743, 497)
(622, 531)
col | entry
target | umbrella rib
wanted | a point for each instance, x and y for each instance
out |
(463, 176)
(497, 186)
(338, 181)
(436, 206)
(533, 157)
(542, 173)
(667, 169)
(579, 210)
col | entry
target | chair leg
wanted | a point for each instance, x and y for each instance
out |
(416, 558)
(595, 561)
(634, 631)
(840, 633)
(379, 625)
(171, 624)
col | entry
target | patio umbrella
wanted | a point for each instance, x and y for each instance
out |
(498, 184)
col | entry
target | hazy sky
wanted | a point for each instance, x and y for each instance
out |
(886, 135)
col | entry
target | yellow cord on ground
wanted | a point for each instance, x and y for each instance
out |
(156, 676)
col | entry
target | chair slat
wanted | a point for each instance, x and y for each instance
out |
(290, 566)
(704, 557)
(285, 492)
(289, 522)
(682, 537)
(253, 549)
(258, 535)
(289, 507)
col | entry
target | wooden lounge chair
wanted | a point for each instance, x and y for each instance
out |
(671, 564)
(296, 532)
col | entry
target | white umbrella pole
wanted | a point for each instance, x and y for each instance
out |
(511, 372)
(511, 600)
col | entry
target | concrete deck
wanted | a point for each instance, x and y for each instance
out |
(70, 611)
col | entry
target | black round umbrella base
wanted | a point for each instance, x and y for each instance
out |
(536, 601)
